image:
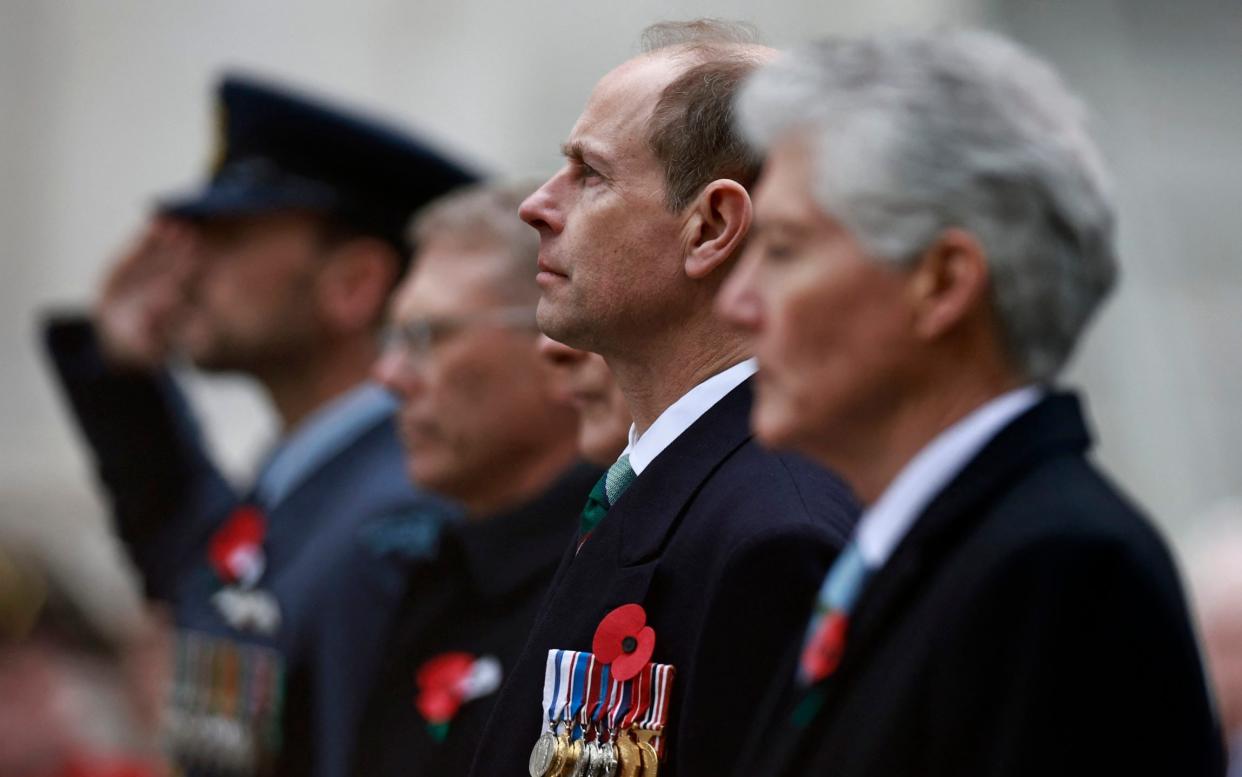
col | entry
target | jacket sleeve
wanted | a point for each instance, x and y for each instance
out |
(164, 492)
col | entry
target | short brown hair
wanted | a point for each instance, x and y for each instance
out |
(691, 130)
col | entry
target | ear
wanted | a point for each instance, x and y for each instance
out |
(949, 283)
(355, 283)
(719, 221)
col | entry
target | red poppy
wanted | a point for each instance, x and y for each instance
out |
(823, 651)
(441, 684)
(236, 549)
(624, 641)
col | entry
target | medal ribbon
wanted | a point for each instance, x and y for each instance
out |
(622, 694)
(551, 685)
(594, 673)
(657, 712)
(565, 674)
(582, 665)
(605, 695)
(640, 700)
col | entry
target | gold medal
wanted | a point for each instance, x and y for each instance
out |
(650, 758)
(570, 753)
(628, 755)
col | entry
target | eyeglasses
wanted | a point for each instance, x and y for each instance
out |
(418, 337)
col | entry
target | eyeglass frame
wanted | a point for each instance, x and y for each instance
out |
(417, 338)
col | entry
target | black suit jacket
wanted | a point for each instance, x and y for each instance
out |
(724, 544)
(479, 596)
(1031, 623)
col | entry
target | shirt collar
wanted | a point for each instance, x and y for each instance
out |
(884, 524)
(318, 438)
(679, 416)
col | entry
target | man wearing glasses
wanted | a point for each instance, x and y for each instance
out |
(485, 424)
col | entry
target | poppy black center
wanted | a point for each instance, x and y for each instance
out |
(629, 644)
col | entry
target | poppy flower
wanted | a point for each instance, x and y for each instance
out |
(449, 680)
(236, 549)
(440, 686)
(624, 641)
(823, 651)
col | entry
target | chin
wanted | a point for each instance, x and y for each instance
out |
(557, 321)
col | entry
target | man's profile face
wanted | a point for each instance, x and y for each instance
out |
(610, 250)
(475, 395)
(251, 302)
(603, 414)
(830, 323)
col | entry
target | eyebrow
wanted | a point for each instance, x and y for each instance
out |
(576, 151)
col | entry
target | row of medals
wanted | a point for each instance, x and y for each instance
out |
(629, 754)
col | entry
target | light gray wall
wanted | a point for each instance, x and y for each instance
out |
(105, 104)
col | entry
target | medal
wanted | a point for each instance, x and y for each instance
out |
(649, 729)
(547, 757)
(629, 759)
(543, 754)
(573, 754)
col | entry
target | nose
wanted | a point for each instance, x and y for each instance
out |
(542, 209)
(738, 301)
(395, 371)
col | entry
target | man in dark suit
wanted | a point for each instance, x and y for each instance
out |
(278, 268)
(934, 233)
(716, 540)
(484, 425)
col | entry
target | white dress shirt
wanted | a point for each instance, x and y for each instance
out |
(679, 416)
(884, 524)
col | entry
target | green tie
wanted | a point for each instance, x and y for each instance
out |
(605, 494)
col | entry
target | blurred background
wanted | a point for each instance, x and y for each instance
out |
(105, 105)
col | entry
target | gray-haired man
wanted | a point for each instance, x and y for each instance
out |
(932, 235)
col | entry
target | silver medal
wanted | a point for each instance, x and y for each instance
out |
(541, 755)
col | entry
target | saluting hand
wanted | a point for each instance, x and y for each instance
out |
(144, 294)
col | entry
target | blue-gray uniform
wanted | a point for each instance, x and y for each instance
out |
(333, 488)
(239, 567)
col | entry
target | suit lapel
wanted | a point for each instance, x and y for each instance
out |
(616, 564)
(639, 524)
(1053, 427)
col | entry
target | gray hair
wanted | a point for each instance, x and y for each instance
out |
(916, 133)
(486, 215)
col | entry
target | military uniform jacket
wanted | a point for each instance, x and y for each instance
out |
(1030, 623)
(168, 499)
(474, 603)
(724, 544)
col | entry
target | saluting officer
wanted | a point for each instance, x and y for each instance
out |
(697, 549)
(278, 268)
(934, 232)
